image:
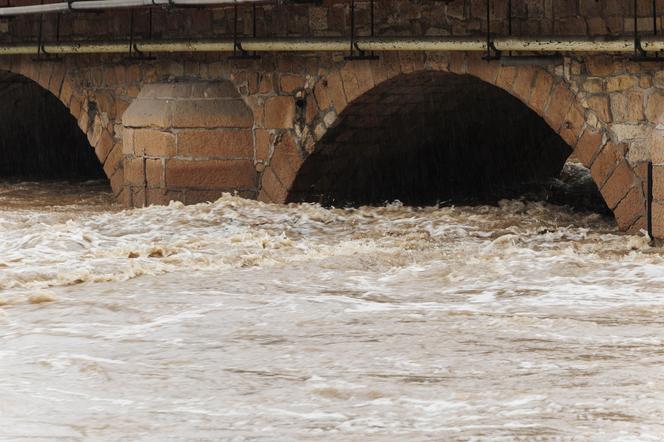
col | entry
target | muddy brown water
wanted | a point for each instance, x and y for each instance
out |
(238, 320)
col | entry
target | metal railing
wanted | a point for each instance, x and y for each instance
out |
(103, 5)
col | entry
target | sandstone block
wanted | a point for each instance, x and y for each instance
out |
(154, 143)
(657, 146)
(117, 183)
(523, 84)
(605, 163)
(541, 91)
(335, 91)
(600, 105)
(154, 172)
(215, 89)
(560, 103)
(263, 142)
(588, 146)
(134, 172)
(210, 174)
(113, 160)
(290, 83)
(213, 113)
(627, 106)
(166, 90)
(658, 80)
(279, 112)
(621, 83)
(631, 208)
(602, 65)
(163, 197)
(104, 146)
(655, 108)
(573, 125)
(658, 219)
(618, 184)
(286, 160)
(272, 190)
(225, 143)
(506, 77)
(593, 85)
(148, 112)
(658, 182)
(487, 71)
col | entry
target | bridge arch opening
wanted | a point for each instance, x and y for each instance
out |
(39, 138)
(434, 137)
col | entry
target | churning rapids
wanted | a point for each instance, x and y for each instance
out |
(245, 321)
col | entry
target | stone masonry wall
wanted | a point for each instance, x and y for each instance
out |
(611, 110)
(294, 99)
(188, 141)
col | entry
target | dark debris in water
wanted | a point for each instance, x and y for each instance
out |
(574, 188)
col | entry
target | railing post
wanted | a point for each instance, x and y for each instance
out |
(649, 198)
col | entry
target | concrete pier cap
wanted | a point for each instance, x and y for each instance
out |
(187, 141)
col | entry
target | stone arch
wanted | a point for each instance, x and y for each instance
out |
(94, 111)
(548, 95)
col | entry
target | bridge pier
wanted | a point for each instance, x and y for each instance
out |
(188, 141)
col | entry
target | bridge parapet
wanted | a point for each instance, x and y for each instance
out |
(332, 18)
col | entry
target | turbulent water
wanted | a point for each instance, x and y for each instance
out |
(237, 320)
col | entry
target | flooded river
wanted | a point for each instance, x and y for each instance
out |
(237, 320)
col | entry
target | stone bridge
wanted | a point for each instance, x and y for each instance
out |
(317, 126)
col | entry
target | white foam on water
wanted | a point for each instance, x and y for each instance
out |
(242, 320)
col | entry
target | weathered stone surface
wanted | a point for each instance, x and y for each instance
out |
(618, 184)
(223, 143)
(631, 208)
(210, 174)
(655, 108)
(211, 113)
(588, 146)
(134, 171)
(166, 91)
(541, 91)
(113, 160)
(214, 89)
(290, 83)
(621, 83)
(560, 103)
(104, 146)
(286, 160)
(522, 87)
(628, 131)
(658, 219)
(627, 106)
(657, 146)
(573, 125)
(600, 105)
(605, 163)
(272, 189)
(154, 143)
(154, 172)
(279, 112)
(149, 112)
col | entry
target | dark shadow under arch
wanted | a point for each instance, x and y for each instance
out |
(39, 138)
(428, 137)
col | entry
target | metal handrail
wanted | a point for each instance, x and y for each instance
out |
(367, 44)
(102, 5)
